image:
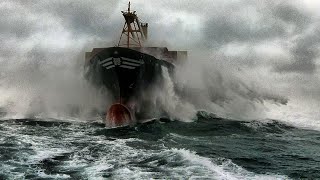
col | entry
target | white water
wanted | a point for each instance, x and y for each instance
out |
(171, 102)
(59, 91)
(49, 90)
(298, 113)
(93, 157)
(221, 88)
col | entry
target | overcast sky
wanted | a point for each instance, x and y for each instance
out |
(276, 41)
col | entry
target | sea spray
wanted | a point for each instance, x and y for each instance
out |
(50, 90)
(208, 84)
(170, 101)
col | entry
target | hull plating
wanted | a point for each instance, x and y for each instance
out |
(128, 75)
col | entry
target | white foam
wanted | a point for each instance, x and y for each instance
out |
(226, 170)
(98, 157)
(298, 112)
(8, 171)
(171, 102)
(54, 176)
(96, 170)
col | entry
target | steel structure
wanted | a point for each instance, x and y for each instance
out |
(134, 31)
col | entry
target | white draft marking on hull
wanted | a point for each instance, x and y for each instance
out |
(128, 67)
(107, 64)
(131, 64)
(112, 66)
(108, 59)
(132, 60)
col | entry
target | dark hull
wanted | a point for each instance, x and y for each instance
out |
(128, 75)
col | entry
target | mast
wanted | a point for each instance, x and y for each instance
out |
(129, 27)
(133, 29)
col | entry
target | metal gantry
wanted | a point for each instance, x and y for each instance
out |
(134, 31)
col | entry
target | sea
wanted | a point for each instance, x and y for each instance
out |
(208, 147)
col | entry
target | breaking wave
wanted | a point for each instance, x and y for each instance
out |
(78, 150)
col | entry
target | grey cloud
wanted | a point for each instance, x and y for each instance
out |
(15, 24)
(20, 20)
(79, 17)
(85, 18)
(225, 23)
(291, 14)
(297, 66)
(273, 22)
(220, 31)
(274, 18)
(229, 26)
(304, 54)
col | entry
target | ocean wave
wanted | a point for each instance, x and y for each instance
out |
(198, 167)
(68, 151)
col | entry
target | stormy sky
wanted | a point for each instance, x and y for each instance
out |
(276, 42)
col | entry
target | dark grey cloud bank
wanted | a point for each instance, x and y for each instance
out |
(283, 21)
(272, 41)
(84, 17)
(305, 52)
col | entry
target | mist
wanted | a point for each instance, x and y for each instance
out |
(49, 87)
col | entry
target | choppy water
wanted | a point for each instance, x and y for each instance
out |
(208, 148)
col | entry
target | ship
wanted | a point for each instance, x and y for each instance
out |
(128, 71)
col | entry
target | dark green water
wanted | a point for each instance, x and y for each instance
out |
(208, 148)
